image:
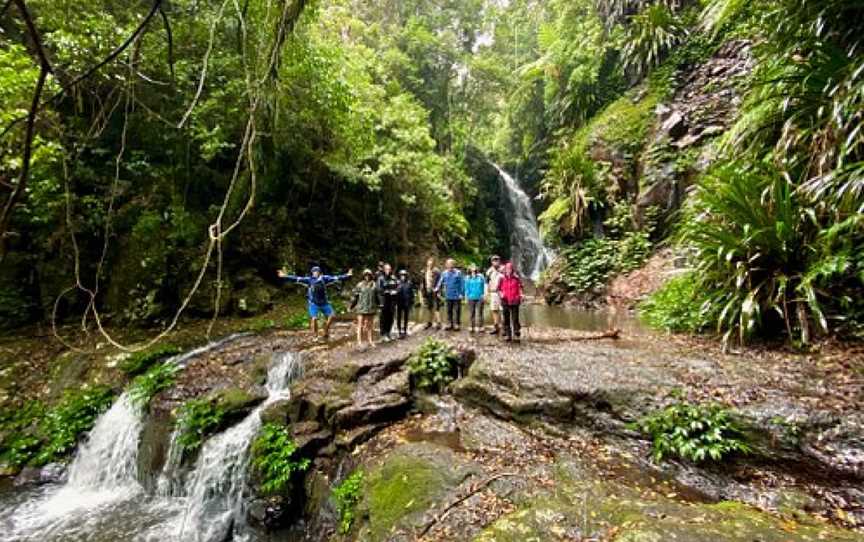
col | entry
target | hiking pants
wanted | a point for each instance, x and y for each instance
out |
(475, 308)
(387, 314)
(454, 312)
(512, 328)
(402, 314)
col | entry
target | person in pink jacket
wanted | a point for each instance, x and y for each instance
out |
(510, 290)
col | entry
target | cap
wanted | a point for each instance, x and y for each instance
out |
(316, 269)
(403, 272)
(495, 257)
(367, 272)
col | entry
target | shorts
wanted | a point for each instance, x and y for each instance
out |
(317, 310)
(494, 301)
(432, 301)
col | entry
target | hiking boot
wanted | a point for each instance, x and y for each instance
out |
(508, 339)
(494, 331)
(449, 328)
(427, 326)
(438, 327)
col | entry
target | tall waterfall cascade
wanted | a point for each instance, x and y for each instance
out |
(529, 254)
(104, 499)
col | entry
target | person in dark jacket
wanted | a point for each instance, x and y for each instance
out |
(365, 303)
(454, 291)
(431, 276)
(388, 289)
(404, 302)
(316, 295)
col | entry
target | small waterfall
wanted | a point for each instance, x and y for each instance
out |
(103, 492)
(214, 492)
(529, 255)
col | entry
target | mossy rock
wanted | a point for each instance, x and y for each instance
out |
(609, 511)
(406, 484)
(237, 401)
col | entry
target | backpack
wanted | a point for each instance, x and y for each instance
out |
(318, 292)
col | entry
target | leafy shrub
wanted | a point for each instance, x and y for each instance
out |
(17, 427)
(197, 419)
(590, 264)
(138, 362)
(156, 379)
(650, 35)
(752, 237)
(434, 365)
(347, 495)
(679, 305)
(693, 432)
(72, 416)
(274, 458)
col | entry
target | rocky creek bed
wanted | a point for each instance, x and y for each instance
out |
(534, 441)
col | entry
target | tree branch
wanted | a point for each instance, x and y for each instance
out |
(18, 191)
(113, 55)
(170, 35)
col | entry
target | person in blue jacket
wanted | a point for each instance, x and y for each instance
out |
(454, 290)
(316, 295)
(475, 289)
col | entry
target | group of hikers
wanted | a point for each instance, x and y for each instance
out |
(392, 297)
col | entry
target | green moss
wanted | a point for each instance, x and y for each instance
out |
(401, 486)
(624, 123)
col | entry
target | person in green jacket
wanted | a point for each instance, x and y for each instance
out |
(365, 304)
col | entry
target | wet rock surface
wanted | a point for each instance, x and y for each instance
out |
(534, 443)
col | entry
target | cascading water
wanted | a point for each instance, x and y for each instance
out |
(102, 499)
(529, 254)
(213, 503)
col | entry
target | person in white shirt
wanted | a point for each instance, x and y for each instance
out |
(493, 280)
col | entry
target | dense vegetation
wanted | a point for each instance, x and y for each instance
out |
(181, 151)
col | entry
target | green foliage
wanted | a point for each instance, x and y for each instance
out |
(196, 420)
(274, 458)
(298, 321)
(138, 362)
(679, 305)
(434, 365)
(347, 495)
(751, 234)
(159, 377)
(696, 433)
(72, 416)
(18, 429)
(589, 265)
(650, 35)
(36, 435)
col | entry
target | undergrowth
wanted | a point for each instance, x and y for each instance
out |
(434, 365)
(347, 495)
(36, 435)
(275, 458)
(197, 419)
(693, 432)
(156, 379)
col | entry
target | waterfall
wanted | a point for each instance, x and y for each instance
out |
(529, 255)
(212, 498)
(103, 492)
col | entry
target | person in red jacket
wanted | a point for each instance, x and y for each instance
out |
(510, 290)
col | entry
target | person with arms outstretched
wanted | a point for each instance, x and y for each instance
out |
(316, 295)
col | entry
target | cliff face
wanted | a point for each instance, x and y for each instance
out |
(633, 164)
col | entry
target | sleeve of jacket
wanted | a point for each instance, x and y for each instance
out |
(296, 279)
